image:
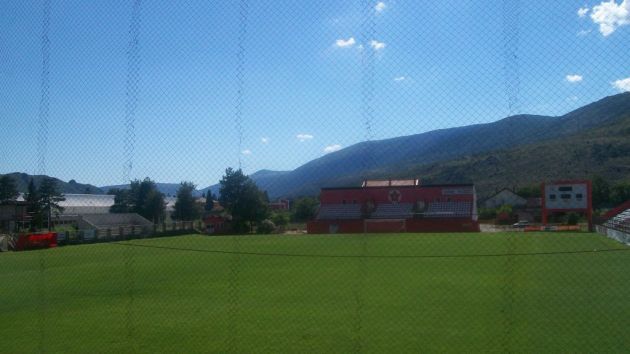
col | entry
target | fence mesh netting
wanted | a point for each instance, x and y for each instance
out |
(318, 176)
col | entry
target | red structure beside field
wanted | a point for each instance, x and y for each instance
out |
(34, 241)
(396, 206)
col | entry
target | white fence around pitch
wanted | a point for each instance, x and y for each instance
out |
(125, 232)
(620, 236)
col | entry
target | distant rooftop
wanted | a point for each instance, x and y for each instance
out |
(87, 200)
(390, 183)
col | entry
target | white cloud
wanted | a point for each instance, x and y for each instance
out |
(332, 148)
(572, 99)
(609, 16)
(343, 43)
(304, 137)
(583, 11)
(380, 6)
(583, 33)
(622, 85)
(264, 140)
(376, 45)
(400, 78)
(246, 152)
(574, 78)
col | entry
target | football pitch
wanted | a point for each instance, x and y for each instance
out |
(517, 292)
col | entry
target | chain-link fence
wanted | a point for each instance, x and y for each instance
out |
(321, 176)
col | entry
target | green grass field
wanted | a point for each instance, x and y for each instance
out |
(413, 293)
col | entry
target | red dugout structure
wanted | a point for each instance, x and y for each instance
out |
(397, 206)
(33, 241)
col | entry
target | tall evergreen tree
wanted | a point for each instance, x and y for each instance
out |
(8, 189)
(50, 196)
(142, 197)
(153, 206)
(601, 192)
(620, 193)
(186, 207)
(122, 200)
(242, 198)
(146, 200)
(33, 205)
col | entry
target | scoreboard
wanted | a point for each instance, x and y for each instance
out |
(567, 196)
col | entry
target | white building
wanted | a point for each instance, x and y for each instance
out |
(505, 197)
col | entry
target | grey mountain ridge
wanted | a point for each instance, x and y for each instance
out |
(410, 154)
(348, 166)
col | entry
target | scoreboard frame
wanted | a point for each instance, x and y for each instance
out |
(587, 210)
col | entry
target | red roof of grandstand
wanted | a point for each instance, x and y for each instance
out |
(391, 183)
(617, 210)
(403, 187)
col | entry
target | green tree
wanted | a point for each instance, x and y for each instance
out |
(265, 227)
(122, 200)
(620, 193)
(487, 213)
(186, 207)
(210, 198)
(154, 207)
(33, 205)
(280, 218)
(146, 200)
(8, 189)
(305, 209)
(600, 192)
(504, 214)
(505, 209)
(573, 218)
(532, 191)
(242, 198)
(141, 197)
(50, 196)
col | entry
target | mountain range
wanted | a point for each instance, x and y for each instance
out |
(520, 150)
(514, 151)
(168, 189)
(72, 187)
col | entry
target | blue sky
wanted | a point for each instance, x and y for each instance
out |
(437, 64)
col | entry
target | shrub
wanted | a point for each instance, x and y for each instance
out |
(280, 218)
(573, 218)
(266, 227)
(487, 213)
(505, 209)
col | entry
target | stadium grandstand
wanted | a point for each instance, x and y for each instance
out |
(616, 224)
(396, 206)
(620, 222)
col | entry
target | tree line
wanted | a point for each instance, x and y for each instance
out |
(607, 195)
(142, 197)
(238, 194)
(42, 202)
(247, 205)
